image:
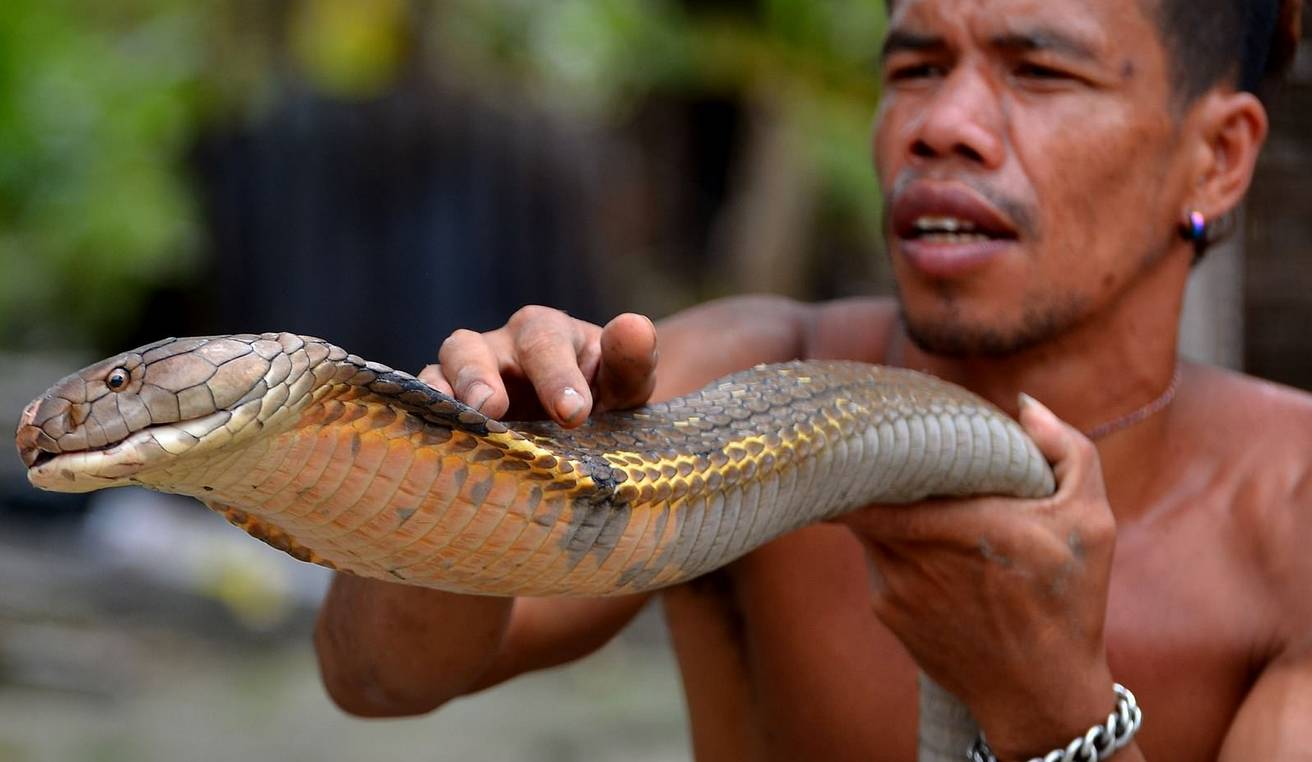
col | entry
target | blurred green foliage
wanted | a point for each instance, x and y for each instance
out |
(350, 48)
(99, 103)
(811, 63)
(603, 53)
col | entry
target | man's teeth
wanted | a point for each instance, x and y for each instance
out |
(954, 237)
(947, 230)
(929, 223)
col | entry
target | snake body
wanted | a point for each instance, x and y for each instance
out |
(352, 465)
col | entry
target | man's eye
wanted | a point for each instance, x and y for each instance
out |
(1038, 71)
(915, 71)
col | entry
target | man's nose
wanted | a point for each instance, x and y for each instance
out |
(962, 119)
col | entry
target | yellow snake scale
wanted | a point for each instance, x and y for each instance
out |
(361, 468)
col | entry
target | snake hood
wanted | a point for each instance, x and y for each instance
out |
(123, 419)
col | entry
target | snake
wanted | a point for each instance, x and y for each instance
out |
(355, 466)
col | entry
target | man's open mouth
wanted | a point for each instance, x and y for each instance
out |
(948, 214)
(946, 229)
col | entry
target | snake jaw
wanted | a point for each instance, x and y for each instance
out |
(130, 461)
(88, 470)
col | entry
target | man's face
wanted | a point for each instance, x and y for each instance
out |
(1028, 157)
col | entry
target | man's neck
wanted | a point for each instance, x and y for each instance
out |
(1112, 364)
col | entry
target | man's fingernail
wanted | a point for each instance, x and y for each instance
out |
(1029, 403)
(569, 405)
(478, 395)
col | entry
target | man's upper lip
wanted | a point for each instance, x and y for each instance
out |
(939, 199)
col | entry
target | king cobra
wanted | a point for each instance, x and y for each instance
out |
(360, 468)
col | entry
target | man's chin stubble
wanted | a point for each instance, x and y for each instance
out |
(952, 335)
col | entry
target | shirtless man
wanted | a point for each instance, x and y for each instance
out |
(1076, 137)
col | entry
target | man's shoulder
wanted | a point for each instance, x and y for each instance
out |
(856, 328)
(1255, 428)
(1260, 433)
(1253, 414)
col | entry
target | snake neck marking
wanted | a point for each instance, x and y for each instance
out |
(353, 465)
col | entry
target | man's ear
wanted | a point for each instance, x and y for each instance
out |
(1230, 130)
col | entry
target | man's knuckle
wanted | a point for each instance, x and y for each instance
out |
(466, 376)
(1085, 450)
(538, 341)
(532, 314)
(1101, 527)
(460, 339)
(464, 335)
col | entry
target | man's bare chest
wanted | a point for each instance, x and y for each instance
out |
(819, 674)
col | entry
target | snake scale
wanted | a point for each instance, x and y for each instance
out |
(361, 468)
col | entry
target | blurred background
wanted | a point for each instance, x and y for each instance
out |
(380, 173)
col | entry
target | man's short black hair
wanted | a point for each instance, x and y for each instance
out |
(1210, 42)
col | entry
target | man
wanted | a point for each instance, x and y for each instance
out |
(1047, 164)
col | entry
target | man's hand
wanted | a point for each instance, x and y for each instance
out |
(386, 649)
(1003, 601)
(568, 367)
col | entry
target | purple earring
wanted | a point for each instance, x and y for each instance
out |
(1196, 228)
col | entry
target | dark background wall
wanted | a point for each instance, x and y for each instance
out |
(1278, 277)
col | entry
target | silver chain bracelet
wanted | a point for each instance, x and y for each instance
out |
(1100, 743)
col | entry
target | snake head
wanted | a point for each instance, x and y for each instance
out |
(138, 413)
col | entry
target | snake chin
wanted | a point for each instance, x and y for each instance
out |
(82, 471)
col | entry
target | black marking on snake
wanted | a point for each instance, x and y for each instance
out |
(616, 523)
(459, 478)
(554, 507)
(478, 492)
(590, 521)
(533, 500)
(641, 572)
(414, 396)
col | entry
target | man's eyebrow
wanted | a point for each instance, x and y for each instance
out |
(899, 41)
(1044, 40)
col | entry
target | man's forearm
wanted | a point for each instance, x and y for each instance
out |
(389, 650)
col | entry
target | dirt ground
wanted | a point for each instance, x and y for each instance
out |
(101, 664)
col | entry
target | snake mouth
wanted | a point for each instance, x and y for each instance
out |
(43, 458)
(84, 470)
(38, 451)
(118, 463)
(40, 458)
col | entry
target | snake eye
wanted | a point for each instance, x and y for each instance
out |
(117, 379)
